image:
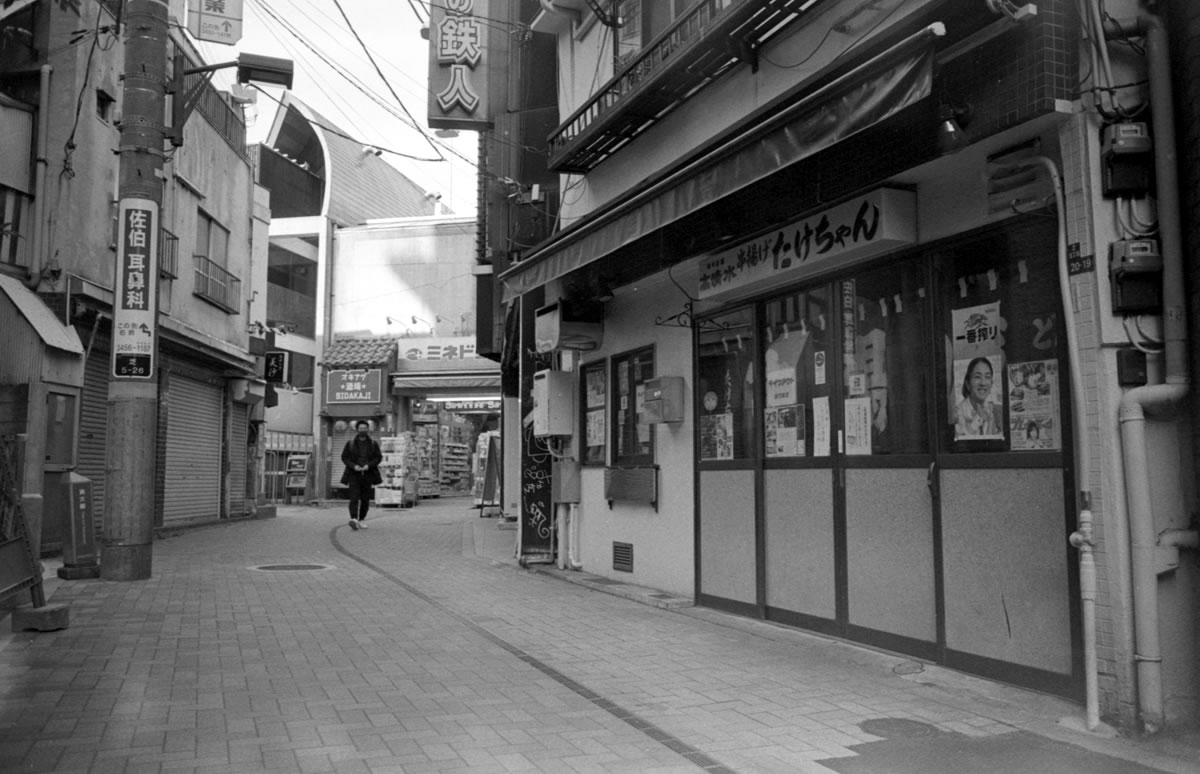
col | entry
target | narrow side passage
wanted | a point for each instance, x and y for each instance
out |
(684, 749)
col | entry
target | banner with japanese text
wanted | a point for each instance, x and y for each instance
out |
(135, 302)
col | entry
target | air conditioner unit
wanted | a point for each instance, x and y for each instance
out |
(569, 324)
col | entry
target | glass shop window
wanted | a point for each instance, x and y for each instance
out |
(724, 387)
(594, 384)
(633, 435)
(1002, 346)
(797, 375)
(885, 361)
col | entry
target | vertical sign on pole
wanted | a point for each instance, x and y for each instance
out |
(135, 306)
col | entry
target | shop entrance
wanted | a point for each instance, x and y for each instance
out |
(883, 457)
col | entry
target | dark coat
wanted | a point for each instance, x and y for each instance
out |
(356, 452)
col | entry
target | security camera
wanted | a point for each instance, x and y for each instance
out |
(371, 151)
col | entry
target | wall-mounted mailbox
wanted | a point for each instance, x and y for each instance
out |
(664, 399)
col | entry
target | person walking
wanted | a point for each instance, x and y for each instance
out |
(361, 456)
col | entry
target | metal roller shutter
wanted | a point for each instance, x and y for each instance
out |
(337, 442)
(192, 466)
(239, 425)
(93, 431)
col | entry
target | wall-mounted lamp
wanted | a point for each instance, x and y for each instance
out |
(416, 320)
(951, 134)
(393, 321)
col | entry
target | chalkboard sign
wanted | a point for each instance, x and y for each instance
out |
(537, 508)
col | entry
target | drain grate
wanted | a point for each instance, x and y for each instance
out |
(892, 728)
(291, 567)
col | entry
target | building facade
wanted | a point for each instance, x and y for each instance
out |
(873, 323)
(60, 70)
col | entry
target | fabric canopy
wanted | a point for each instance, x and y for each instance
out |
(866, 95)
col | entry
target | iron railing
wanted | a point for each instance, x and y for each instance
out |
(168, 255)
(701, 45)
(217, 286)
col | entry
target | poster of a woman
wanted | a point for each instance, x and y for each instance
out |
(978, 414)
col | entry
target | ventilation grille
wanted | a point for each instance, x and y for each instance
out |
(623, 557)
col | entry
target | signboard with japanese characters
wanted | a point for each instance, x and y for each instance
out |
(277, 367)
(217, 21)
(448, 348)
(360, 386)
(881, 220)
(458, 58)
(135, 302)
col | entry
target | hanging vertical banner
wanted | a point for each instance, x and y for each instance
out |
(135, 302)
(458, 60)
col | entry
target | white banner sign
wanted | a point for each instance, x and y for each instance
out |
(134, 304)
(871, 224)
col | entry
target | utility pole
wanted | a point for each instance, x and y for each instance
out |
(128, 532)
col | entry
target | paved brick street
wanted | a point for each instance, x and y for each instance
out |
(419, 645)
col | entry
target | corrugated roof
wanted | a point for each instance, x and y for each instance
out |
(361, 185)
(52, 332)
(343, 353)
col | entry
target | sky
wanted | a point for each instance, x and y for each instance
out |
(320, 44)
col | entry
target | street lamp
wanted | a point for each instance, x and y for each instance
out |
(255, 68)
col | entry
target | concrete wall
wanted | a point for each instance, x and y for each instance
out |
(663, 540)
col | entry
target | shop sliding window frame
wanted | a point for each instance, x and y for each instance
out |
(623, 407)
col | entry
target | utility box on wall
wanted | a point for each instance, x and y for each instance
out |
(664, 399)
(553, 403)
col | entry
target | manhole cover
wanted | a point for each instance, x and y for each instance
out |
(890, 728)
(291, 567)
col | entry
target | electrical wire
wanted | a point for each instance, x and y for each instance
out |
(68, 169)
(1127, 322)
(382, 77)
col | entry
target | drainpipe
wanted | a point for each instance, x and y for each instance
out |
(1158, 399)
(573, 562)
(34, 277)
(560, 526)
(1082, 538)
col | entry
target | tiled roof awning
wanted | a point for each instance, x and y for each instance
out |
(360, 352)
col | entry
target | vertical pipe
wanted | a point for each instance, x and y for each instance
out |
(1159, 398)
(36, 258)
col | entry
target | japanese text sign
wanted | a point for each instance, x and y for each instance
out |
(454, 348)
(218, 21)
(134, 304)
(868, 225)
(458, 55)
(362, 386)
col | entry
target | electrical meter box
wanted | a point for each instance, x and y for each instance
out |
(553, 403)
(664, 400)
(1135, 276)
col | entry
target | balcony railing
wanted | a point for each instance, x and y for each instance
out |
(703, 43)
(217, 286)
(168, 255)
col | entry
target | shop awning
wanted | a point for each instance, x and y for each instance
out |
(862, 97)
(482, 383)
(48, 328)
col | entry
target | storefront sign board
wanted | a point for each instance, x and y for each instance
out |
(881, 220)
(362, 386)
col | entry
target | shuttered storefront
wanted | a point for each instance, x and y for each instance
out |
(93, 430)
(337, 442)
(192, 461)
(239, 425)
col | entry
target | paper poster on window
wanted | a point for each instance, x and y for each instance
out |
(1033, 405)
(639, 399)
(716, 437)
(978, 331)
(785, 431)
(858, 425)
(595, 427)
(781, 387)
(978, 398)
(818, 368)
(821, 427)
(595, 388)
